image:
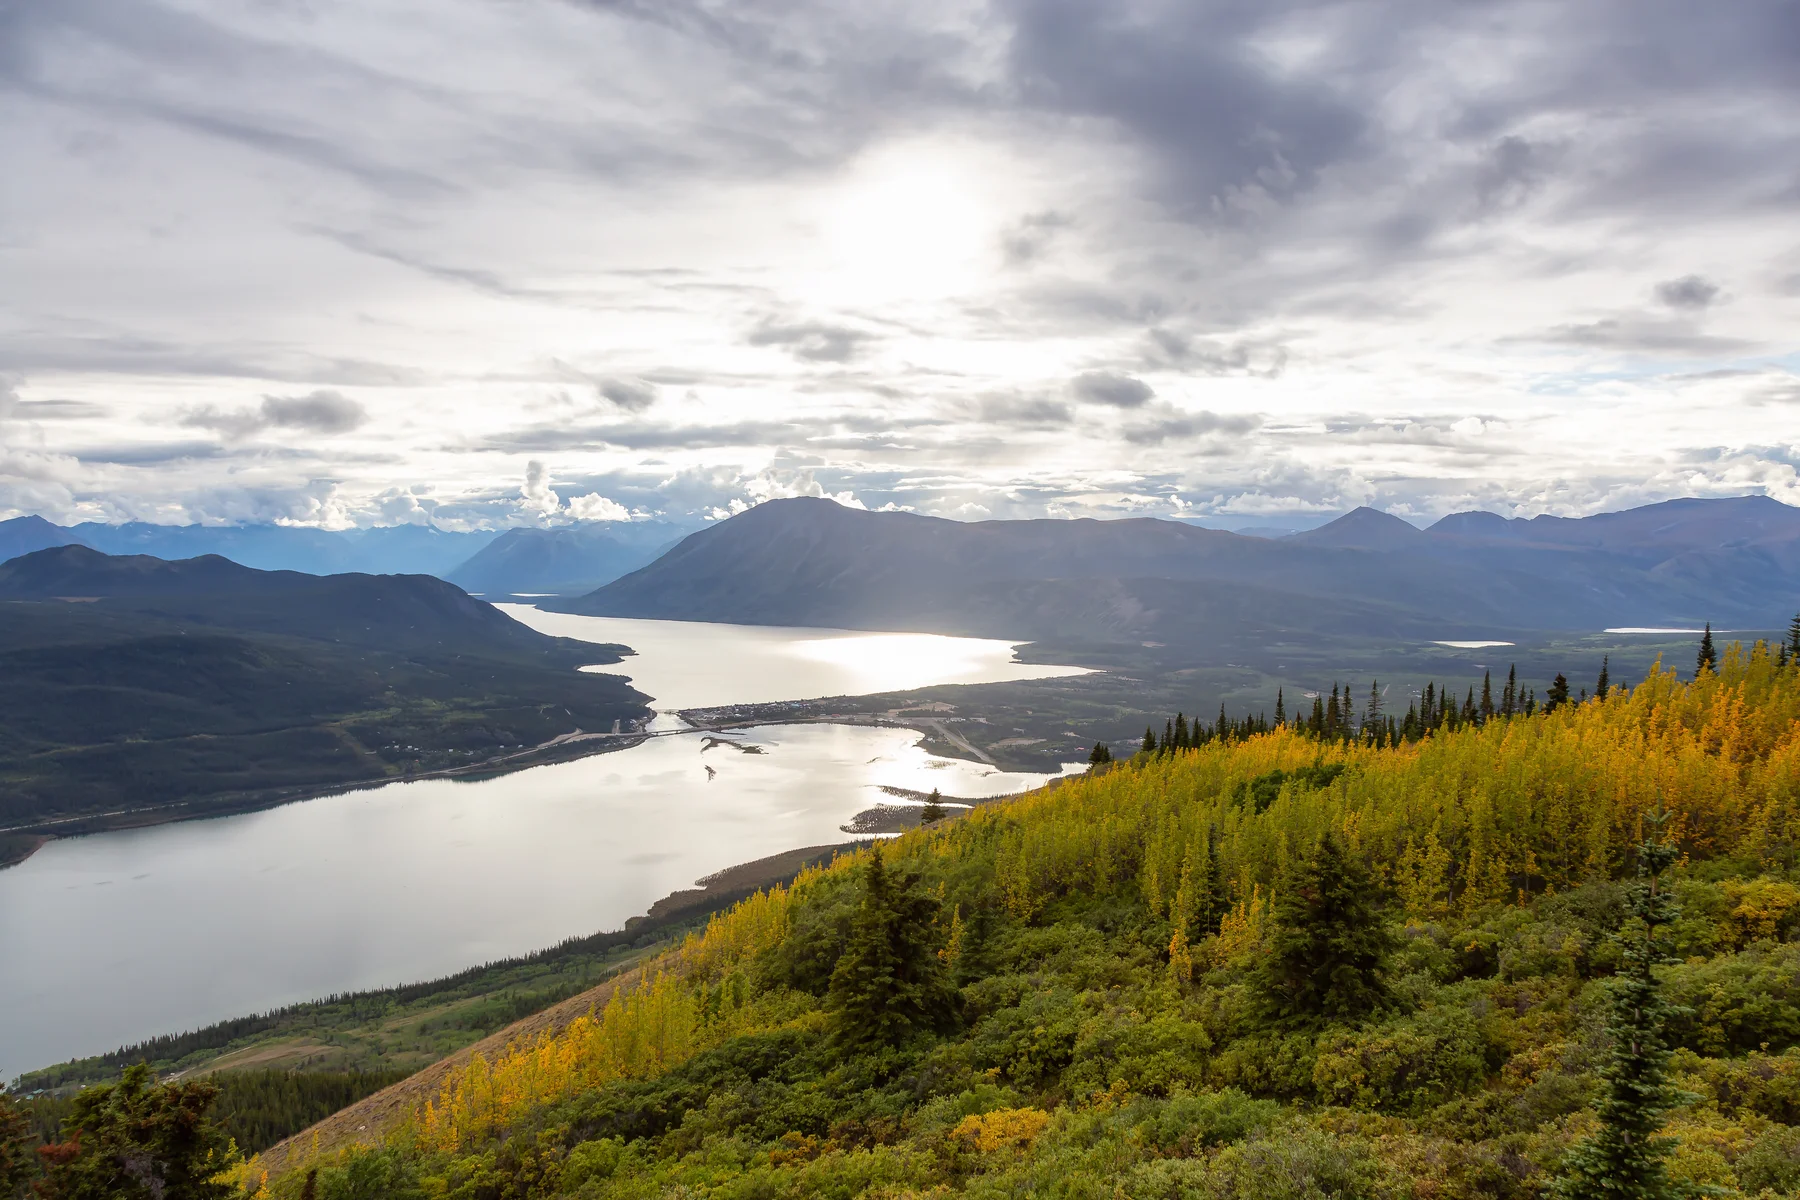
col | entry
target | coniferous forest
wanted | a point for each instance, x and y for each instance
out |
(1554, 950)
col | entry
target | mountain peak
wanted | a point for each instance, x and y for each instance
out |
(1362, 528)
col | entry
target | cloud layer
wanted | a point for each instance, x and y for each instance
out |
(481, 264)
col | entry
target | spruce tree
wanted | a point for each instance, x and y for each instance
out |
(1280, 709)
(1487, 696)
(933, 811)
(1330, 946)
(1624, 1159)
(15, 1149)
(1509, 699)
(137, 1140)
(1558, 694)
(889, 983)
(1603, 685)
(1793, 638)
(1149, 740)
(1101, 753)
(1708, 658)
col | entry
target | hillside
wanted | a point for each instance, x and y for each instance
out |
(812, 562)
(129, 685)
(1104, 1029)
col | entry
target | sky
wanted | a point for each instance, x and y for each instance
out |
(479, 263)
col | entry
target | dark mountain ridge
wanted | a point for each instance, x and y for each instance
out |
(813, 562)
(391, 612)
(146, 689)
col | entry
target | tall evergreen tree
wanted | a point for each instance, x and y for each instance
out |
(15, 1149)
(1168, 741)
(1603, 685)
(1428, 713)
(1509, 699)
(1181, 732)
(1280, 709)
(1149, 740)
(1708, 658)
(1558, 695)
(1317, 724)
(137, 1140)
(1624, 1159)
(889, 983)
(1793, 638)
(1372, 716)
(933, 811)
(1101, 753)
(1330, 947)
(1487, 697)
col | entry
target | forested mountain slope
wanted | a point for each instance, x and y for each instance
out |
(1087, 992)
(131, 683)
(813, 562)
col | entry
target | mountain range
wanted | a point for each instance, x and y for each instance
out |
(1734, 562)
(568, 559)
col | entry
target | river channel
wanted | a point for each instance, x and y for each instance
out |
(109, 939)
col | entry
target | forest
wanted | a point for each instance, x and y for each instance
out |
(1513, 956)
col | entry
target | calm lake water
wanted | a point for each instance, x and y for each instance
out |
(113, 938)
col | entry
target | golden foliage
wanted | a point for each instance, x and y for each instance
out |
(1005, 1128)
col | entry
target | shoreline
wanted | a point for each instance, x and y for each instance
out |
(19, 842)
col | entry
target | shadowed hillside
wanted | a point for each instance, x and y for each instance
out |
(813, 562)
(145, 689)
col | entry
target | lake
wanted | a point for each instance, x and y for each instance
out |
(109, 939)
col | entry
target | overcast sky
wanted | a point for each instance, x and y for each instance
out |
(489, 262)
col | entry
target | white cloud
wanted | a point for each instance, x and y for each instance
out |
(595, 507)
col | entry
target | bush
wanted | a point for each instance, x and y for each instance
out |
(1188, 1123)
(1402, 1066)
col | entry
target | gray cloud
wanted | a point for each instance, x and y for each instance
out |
(813, 341)
(1688, 292)
(632, 395)
(1031, 236)
(1213, 356)
(1180, 426)
(1029, 412)
(1647, 335)
(1106, 387)
(322, 411)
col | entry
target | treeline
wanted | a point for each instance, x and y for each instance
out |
(254, 1109)
(1337, 717)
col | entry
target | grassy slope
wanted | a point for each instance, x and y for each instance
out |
(1093, 1060)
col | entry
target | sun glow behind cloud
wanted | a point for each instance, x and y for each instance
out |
(1302, 257)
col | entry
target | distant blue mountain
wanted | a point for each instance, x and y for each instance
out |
(394, 550)
(568, 560)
